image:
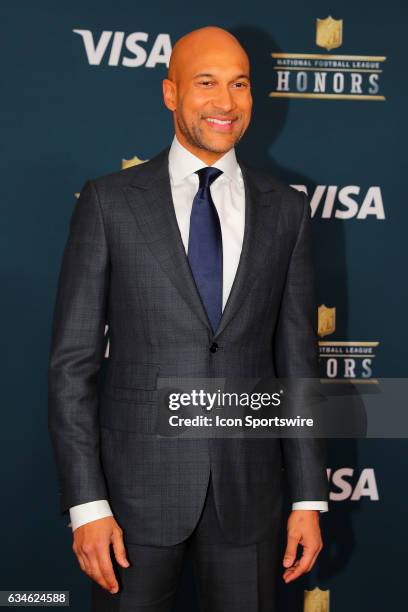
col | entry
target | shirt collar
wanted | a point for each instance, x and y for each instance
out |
(183, 163)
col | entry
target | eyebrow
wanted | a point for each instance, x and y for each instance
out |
(208, 74)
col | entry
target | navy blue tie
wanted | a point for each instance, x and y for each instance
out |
(205, 246)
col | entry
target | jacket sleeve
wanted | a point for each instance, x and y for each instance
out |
(296, 356)
(76, 354)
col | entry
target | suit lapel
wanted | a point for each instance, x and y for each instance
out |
(151, 202)
(261, 217)
(150, 199)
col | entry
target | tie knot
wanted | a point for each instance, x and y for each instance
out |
(207, 175)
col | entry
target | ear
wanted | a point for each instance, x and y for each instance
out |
(169, 94)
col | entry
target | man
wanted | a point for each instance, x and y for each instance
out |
(201, 267)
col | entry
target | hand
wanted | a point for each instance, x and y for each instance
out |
(92, 547)
(304, 529)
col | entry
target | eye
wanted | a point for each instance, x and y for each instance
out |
(205, 82)
(241, 84)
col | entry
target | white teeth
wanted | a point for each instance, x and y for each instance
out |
(219, 121)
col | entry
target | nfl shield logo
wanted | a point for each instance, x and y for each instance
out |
(326, 321)
(316, 601)
(329, 33)
(134, 161)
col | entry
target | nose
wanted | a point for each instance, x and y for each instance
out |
(223, 99)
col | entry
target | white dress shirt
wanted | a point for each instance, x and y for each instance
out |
(228, 194)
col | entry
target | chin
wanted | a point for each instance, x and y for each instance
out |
(219, 149)
(220, 146)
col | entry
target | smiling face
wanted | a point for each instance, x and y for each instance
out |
(208, 91)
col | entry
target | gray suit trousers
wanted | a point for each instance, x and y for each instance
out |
(229, 577)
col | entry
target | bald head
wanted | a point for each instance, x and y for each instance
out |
(208, 91)
(201, 41)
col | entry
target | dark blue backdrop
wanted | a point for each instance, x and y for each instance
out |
(65, 120)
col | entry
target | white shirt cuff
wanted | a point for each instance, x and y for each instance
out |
(91, 511)
(322, 506)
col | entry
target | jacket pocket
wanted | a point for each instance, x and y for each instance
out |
(134, 375)
(132, 381)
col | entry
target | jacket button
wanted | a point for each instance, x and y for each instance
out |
(214, 347)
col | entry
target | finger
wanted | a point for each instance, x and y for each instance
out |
(309, 555)
(301, 565)
(80, 557)
(119, 549)
(293, 572)
(81, 562)
(291, 550)
(315, 557)
(106, 569)
(94, 571)
(288, 573)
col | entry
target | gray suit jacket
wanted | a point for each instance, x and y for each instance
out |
(124, 265)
